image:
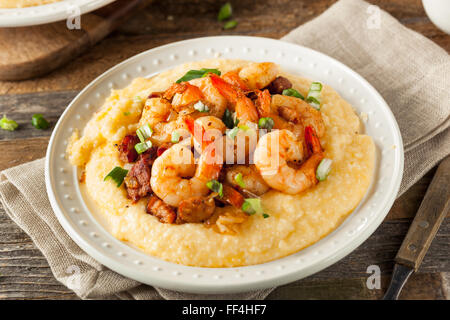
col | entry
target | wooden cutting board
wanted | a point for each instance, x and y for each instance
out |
(30, 52)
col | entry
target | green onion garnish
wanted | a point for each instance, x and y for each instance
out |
(265, 215)
(200, 106)
(117, 174)
(144, 132)
(293, 93)
(230, 24)
(225, 12)
(229, 119)
(175, 137)
(232, 133)
(126, 113)
(244, 127)
(143, 146)
(194, 74)
(38, 121)
(8, 124)
(313, 97)
(215, 186)
(266, 123)
(252, 206)
(239, 180)
(323, 169)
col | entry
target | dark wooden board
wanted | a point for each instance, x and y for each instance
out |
(25, 274)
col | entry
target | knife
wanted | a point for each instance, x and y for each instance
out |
(432, 211)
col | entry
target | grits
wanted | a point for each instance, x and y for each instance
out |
(24, 3)
(295, 222)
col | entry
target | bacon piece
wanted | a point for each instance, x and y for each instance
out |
(127, 153)
(137, 181)
(161, 210)
(196, 209)
(231, 196)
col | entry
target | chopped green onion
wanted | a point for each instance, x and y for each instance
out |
(244, 127)
(265, 215)
(8, 124)
(313, 97)
(200, 106)
(143, 146)
(215, 186)
(239, 180)
(225, 12)
(230, 24)
(323, 169)
(293, 93)
(137, 99)
(229, 120)
(194, 74)
(266, 123)
(144, 132)
(232, 133)
(38, 121)
(126, 113)
(175, 137)
(117, 174)
(252, 206)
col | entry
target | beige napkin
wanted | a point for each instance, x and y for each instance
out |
(410, 71)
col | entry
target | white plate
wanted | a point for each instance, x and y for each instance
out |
(80, 222)
(47, 13)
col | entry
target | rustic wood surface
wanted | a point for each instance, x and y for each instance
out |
(46, 47)
(24, 272)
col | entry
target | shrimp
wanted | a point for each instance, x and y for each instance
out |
(211, 96)
(298, 111)
(183, 96)
(170, 172)
(259, 75)
(232, 77)
(253, 182)
(244, 107)
(155, 110)
(265, 109)
(276, 149)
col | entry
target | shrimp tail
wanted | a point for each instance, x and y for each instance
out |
(232, 77)
(312, 141)
(263, 103)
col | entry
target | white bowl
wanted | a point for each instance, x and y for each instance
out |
(439, 13)
(47, 13)
(78, 217)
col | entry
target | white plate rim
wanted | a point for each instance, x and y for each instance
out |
(47, 13)
(216, 283)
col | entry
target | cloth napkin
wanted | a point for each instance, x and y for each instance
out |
(411, 72)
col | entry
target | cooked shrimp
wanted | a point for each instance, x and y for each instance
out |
(211, 96)
(275, 150)
(265, 109)
(155, 110)
(171, 170)
(298, 110)
(259, 75)
(244, 107)
(183, 96)
(232, 77)
(253, 182)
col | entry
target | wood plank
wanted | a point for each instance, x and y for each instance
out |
(22, 150)
(183, 19)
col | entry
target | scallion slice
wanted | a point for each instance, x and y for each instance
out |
(215, 186)
(143, 146)
(314, 94)
(265, 215)
(175, 137)
(117, 174)
(266, 123)
(229, 119)
(323, 169)
(252, 206)
(239, 180)
(230, 24)
(225, 12)
(293, 93)
(200, 106)
(8, 124)
(194, 74)
(232, 133)
(144, 132)
(38, 121)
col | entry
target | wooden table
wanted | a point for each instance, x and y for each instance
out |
(24, 272)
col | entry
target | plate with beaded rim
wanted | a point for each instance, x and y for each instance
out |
(81, 224)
